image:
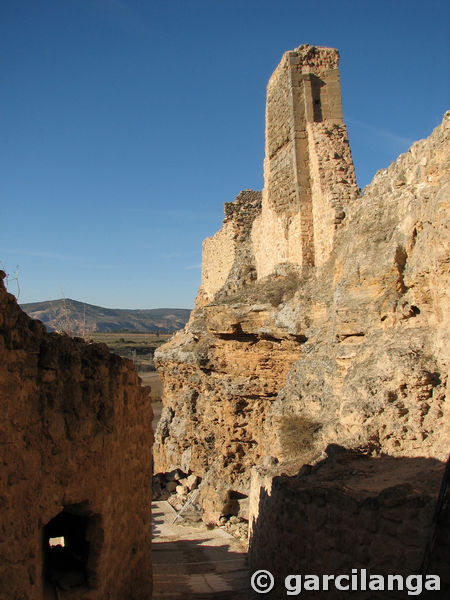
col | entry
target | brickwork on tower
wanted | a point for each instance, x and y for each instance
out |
(302, 205)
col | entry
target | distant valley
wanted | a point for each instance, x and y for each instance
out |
(72, 316)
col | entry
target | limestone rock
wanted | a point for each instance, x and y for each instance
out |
(192, 482)
(171, 486)
(322, 317)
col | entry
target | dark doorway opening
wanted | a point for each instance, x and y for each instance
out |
(67, 549)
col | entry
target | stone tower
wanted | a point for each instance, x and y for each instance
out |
(308, 171)
(309, 180)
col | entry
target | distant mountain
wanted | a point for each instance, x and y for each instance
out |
(74, 317)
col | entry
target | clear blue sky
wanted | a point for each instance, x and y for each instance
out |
(126, 125)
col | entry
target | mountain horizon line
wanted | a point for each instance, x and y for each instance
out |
(58, 314)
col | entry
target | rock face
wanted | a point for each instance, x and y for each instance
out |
(322, 317)
(76, 443)
(372, 376)
(223, 373)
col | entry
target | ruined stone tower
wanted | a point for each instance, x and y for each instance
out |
(308, 171)
(309, 179)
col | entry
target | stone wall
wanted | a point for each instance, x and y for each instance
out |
(333, 184)
(217, 259)
(76, 441)
(309, 179)
(227, 258)
(374, 368)
(350, 512)
(372, 376)
(304, 131)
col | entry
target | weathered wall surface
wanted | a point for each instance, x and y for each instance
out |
(227, 258)
(361, 345)
(374, 369)
(217, 259)
(333, 183)
(350, 512)
(350, 350)
(372, 375)
(309, 178)
(303, 203)
(76, 439)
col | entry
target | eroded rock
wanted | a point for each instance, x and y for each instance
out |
(326, 321)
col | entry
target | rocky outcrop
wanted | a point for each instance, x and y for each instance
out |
(333, 327)
(374, 369)
(361, 334)
(223, 373)
(76, 442)
(373, 377)
(220, 379)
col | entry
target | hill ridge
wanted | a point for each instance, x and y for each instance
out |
(66, 313)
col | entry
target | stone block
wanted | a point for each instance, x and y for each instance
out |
(192, 482)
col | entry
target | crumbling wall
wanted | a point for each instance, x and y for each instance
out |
(217, 259)
(333, 183)
(372, 376)
(304, 130)
(309, 178)
(351, 512)
(374, 368)
(227, 257)
(76, 441)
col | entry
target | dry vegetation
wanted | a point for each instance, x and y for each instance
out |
(296, 434)
(274, 290)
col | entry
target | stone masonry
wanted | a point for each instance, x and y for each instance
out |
(76, 441)
(309, 179)
(351, 512)
(227, 257)
(302, 205)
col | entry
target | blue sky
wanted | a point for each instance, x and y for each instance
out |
(126, 125)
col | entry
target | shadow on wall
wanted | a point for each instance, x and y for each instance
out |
(354, 512)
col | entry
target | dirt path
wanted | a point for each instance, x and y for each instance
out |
(194, 563)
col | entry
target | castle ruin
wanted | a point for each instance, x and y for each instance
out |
(318, 348)
(308, 391)
(309, 179)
